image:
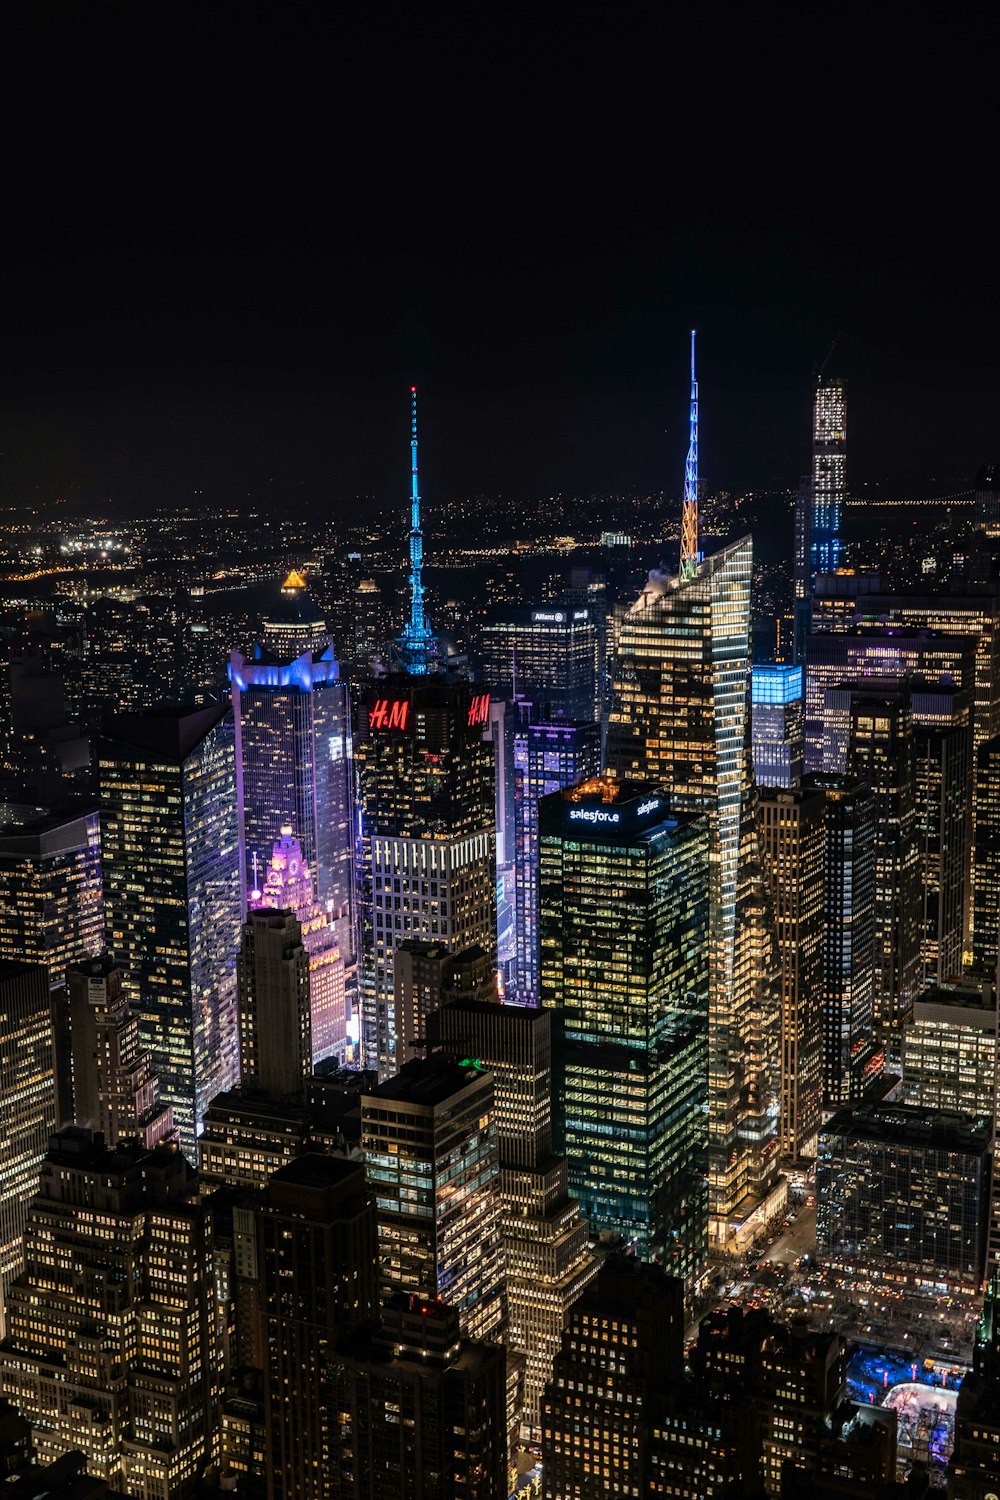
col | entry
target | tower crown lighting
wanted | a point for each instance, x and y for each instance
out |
(690, 555)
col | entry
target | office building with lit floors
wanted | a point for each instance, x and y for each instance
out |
(170, 850)
(274, 1013)
(429, 975)
(680, 719)
(548, 653)
(986, 858)
(293, 754)
(115, 1090)
(850, 1057)
(545, 1236)
(902, 1194)
(112, 1343)
(547, 757)
(316, 1251)
(777, 724)
(950, 1059)
(27, 1104)
(942, 748)
(793, 838)
(881, 753)
(622, 1347)
(428, 839)
(624, 963)
(430, 1152)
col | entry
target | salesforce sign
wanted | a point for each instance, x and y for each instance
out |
(622, 817)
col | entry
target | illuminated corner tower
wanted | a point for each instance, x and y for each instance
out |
(293, 754)
(428, 817)
(680, 720)
(829, 475)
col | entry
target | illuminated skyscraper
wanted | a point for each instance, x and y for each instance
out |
(170, 846)
(680, 720)
(547, 757)
(293, 754)
(428, 808)
(624, 960)
(793, 840)
(27, 1104)
(776, 724)
(115, 1090)
(682, 681)
(51, 900)
(829, 475)
(849, 954)
(548, 653)
(289, 886)
(942, 745)
(430, 1145)
(881, 753)
(112, 1340)
(986, 859)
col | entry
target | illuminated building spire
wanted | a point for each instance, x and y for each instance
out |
(416, 638)
(690, 555)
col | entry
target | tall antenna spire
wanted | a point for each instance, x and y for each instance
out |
(416, 637)
(690, 556)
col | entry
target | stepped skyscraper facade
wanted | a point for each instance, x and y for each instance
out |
(680, 720)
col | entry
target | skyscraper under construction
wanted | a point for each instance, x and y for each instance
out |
(680, 720)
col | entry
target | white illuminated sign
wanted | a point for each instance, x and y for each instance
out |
(593, 815)
(645, 807)
(547, 617)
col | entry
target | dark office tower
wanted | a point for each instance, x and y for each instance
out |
(428, 975)
(170, 849)
(881, 752)
(293, 753)
(942, 742)
(290, 886)
(115, 1090)
(428, 838)
(51, 906)
(547, 757)
(679, 719)
(849, 953)
(902, 1193)
(547, 654)
(837, 599)
(986, 858)
(974, 1471)
(624, 926)
(801, 576)
(793, 837)
(589, 590)
(274, 1015)
(317, 1248)
(776, 724)
(622, 1346)
(420, 1410)
(544, 1233)
(27, 1104)
(429, 1141)
(829, 476)
(112, 1344)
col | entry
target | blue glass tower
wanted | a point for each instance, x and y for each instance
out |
(416, 646)
(777, 724)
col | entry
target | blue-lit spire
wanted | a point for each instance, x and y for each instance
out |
(415, 642)
(690, 555)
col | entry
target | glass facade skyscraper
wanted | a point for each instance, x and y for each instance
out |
(624, 962)
(776, 724)
(170, 846)
(293, 754)
(679, 719)
(547, 757)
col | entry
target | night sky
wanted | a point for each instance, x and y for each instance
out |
(232, 236)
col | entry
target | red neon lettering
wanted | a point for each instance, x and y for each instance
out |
(479, 709)
(389, 714)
